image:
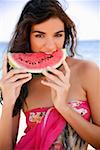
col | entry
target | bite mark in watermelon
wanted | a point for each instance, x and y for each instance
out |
(36, 63)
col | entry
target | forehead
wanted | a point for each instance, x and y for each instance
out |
(52, 24)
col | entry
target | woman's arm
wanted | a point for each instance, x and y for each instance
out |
(10, 85)
(88, 131)
(8, 128)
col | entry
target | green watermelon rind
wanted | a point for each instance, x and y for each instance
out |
(13, 63)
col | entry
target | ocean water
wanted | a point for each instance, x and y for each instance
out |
(89, 50)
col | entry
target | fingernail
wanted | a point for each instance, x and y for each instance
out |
(30, 74)
(42, 81)
(44, 71)
(49, 68)
(25, 70)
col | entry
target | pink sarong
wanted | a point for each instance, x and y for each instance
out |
(43, 134)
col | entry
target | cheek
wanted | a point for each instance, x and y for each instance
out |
(36, 44)
(60, 42)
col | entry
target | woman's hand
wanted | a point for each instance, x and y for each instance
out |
(11, 83)
(59, 83)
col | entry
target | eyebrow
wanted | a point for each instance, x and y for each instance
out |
(60, 31)
(36, 31)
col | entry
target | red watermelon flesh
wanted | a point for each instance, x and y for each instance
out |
(37, 62)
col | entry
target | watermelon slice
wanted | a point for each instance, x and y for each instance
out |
(36, 63)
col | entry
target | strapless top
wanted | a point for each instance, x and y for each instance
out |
(35, 115)
(48, 130)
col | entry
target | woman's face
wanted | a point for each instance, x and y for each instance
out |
(47, 36)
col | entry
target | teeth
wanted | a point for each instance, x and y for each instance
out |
(47, 53)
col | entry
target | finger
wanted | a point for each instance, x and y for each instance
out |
(19, 77)
(4, 66)
(22, 81)
(13, 72)
(66, 67)
(53, 78)
(50, 84)
(57, 73)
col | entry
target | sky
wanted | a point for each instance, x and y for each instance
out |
(85, 14)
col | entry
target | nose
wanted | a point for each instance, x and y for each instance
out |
(50, 45)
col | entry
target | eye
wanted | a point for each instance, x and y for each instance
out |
(59, 35)
(39, 35)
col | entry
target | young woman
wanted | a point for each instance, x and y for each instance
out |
(57, 106)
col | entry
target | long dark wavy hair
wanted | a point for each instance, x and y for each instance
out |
(35, 12)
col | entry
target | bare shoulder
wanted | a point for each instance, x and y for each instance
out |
(89, 66)
(86, 68)
(88, 71)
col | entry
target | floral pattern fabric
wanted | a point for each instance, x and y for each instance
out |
(68, 139)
